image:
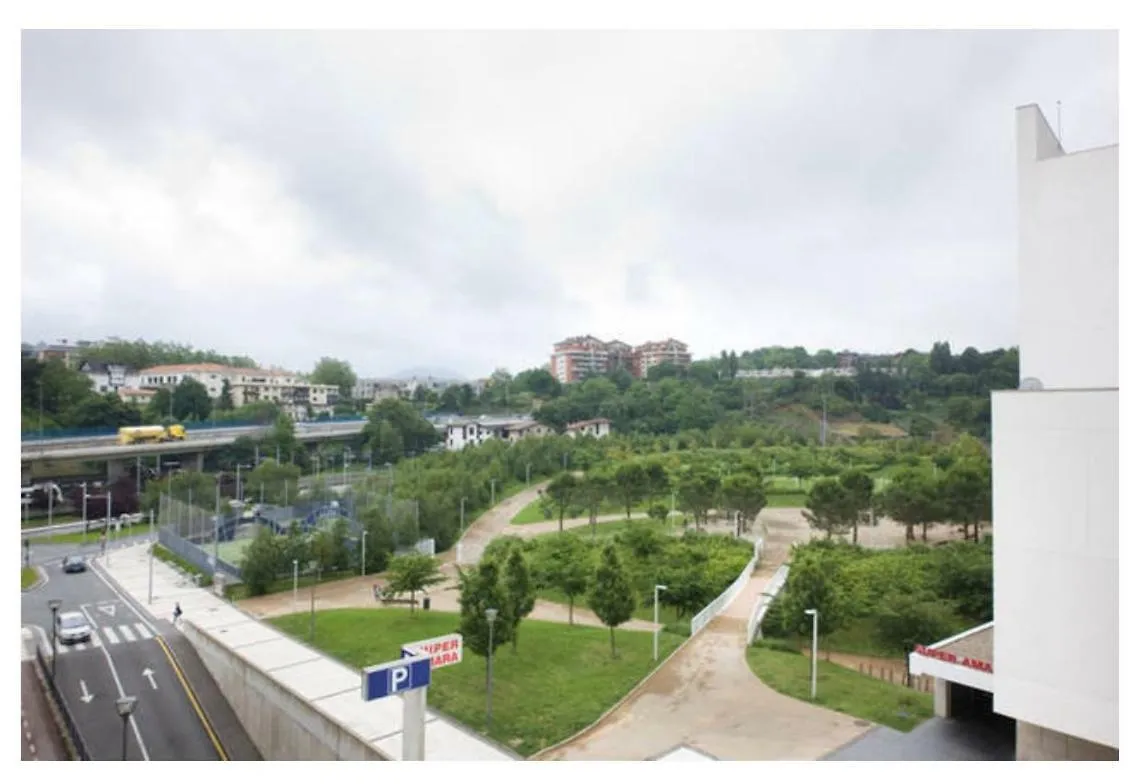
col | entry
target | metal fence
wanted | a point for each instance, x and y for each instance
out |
(70, 725)
(96, 432)
(763, 603)
(720, 603)
(196, 555)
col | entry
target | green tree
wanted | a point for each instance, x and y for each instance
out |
(699, 490)
(520, 593)
(612, 597)
(658, 511)
(828, 508)
(859, 492)
(813, 584)
(563, 491)
(191, 400)
(965, 489)
(909, 499)
(593, 491)
(335, 372)
(630, 483)
(413, 574)
(261, 562)
(414, 433)
(282, 442)
(226, 401)
(276, 482)
(481, 590)
(744, 493)
(567, 568)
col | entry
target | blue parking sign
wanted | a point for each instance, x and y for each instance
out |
(386, 680)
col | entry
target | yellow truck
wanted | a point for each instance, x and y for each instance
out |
(151, 434)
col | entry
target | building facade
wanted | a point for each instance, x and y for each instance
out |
(578, 357)
(471, 431)
(106, 377)
(296, 396)
(1052, 656)
(597, 428)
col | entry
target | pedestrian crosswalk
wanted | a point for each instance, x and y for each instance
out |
(104, 635)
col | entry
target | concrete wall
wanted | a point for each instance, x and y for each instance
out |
(1067, 259)
(281, 725)
(1040, 743)
(1056, 561)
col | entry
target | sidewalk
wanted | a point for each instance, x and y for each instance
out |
(40, 737)
(708, 698)
(309, 674)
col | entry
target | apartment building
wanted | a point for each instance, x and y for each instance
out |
(768, 373)
(1050, 656)
(577, 357)
(290, 391)
(375, 389)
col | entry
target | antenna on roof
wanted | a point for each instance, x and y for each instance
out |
(1059, 122)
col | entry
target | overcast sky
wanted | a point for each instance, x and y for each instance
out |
(462, 201)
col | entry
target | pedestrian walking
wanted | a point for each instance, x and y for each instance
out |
(178, 614)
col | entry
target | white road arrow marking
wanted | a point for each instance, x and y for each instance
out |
(85, 696)
(109, 609)
(149, 674)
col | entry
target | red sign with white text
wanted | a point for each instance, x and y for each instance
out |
(443, 651)
(946, 656)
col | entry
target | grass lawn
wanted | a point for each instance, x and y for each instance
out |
(79, 537)
(28, 577)
(534, 512)
(561, 679)
(786, 500)
(840, 689)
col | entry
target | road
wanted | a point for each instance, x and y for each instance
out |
(128, 655)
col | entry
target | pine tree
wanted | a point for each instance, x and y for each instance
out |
(612, 598)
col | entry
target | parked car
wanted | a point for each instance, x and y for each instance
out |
(74, 563)
(72, 627)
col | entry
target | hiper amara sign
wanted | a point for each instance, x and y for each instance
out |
(443, 651)
(946, 656)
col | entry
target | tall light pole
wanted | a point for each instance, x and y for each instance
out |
(490, 618)
(814, 648)
(51, 495)
(492, 492)
(294, 604)
(124, 706)
(218, 514)
(54, 606)
(528, 472)
(364, 532)
(656, 621)
(151, 552)
(461, 528)
(41, 383)
(138, 476)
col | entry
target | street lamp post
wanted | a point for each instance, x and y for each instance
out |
(124, 706)
(51, 495)
(528, 472)
(491, 618)
(294, 604)
(364, 532)
(54, 606)
(218, 514)
(814, 648)
(151, 553)
(656, 621)
(492, 492)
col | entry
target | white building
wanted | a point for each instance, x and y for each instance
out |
(463, 432)
(375, 389)
(1051, 655)
(107, 377)
(248, 385)
(597, 428)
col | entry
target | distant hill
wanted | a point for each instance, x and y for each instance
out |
(441, 374)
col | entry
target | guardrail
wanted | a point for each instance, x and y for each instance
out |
(720, 603)
(70, 725)
(763, 603)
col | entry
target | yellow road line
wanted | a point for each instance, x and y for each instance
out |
(194, 702)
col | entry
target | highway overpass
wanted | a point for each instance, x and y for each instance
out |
(197, 444)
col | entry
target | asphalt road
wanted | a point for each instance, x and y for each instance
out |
(128, 657)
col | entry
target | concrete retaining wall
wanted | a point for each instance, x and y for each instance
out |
(281, 725)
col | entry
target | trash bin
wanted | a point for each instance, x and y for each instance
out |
(425, 603)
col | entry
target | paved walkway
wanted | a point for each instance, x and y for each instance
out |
(707, 697)
(40, 737)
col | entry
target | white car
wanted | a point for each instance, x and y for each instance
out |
(72, 627)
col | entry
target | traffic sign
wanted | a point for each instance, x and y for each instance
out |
(443, 651)
(386, 680)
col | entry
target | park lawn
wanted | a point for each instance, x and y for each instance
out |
(28, 577)
(786, 500)
(839, 688)
(560, 680)
(79, 537)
